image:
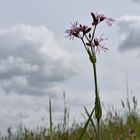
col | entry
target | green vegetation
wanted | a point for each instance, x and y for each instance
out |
(117, 125)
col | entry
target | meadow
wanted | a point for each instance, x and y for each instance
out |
(116, 125)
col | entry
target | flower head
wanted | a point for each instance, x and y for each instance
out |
(97, 46)
(132, 132)
(97, 18)
(87, 34)
(109, 21)
(85, 29)
(73, 31)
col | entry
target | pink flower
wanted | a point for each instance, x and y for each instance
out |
(97, 46)
(84, 29)
(97, 18)
(110, 21)
(73, 31)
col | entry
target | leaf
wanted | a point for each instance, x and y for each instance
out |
(86, 124)
(98, 108)
(92, 122)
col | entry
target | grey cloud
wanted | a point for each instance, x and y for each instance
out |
(28, 110)
(32, 62)
(136, 1)
(129, 33)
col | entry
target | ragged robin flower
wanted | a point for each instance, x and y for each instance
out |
(97, 45)
(84, 29)
(87, 34)
(97, 18)
(73, 31)
(92, 45)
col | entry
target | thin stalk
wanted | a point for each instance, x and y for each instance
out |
(65, 114)
(98, 109)
(97, 95)
(84, 44)
(95, 79)
(99, 130)
(50, 112)
(93, 32)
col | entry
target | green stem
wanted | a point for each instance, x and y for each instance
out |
(93, 32)
(95, 79)
(99, 130)
(97, 101)
(92, 56)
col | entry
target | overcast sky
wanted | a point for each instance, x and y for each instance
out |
(38, 62)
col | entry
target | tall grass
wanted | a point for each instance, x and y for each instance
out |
(117, 125)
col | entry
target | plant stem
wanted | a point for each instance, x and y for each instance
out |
(95, 79)
(92, 56)
(99, 130)
(97, 98)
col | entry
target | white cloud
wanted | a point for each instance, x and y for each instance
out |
(32, 62)
(129, 32)
(26, 110)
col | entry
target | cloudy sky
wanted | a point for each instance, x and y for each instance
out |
(37, 62)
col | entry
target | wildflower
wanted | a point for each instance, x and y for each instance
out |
(85, 29)
(95, 19)
(73, 31)
(109, 21)
(97, 46)
(132, 132)
(100, 17)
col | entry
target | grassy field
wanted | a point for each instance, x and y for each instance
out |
(117, 125)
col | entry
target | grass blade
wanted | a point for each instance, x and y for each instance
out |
(50, 112)
(92, 122)
(86, 124)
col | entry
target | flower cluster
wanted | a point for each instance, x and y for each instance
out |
(87, 34)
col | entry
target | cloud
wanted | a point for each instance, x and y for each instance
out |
(33, 66)
(136, 1)
(26, 110)
(32, 61)
(129, 33)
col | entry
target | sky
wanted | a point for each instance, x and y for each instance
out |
(38, 62)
